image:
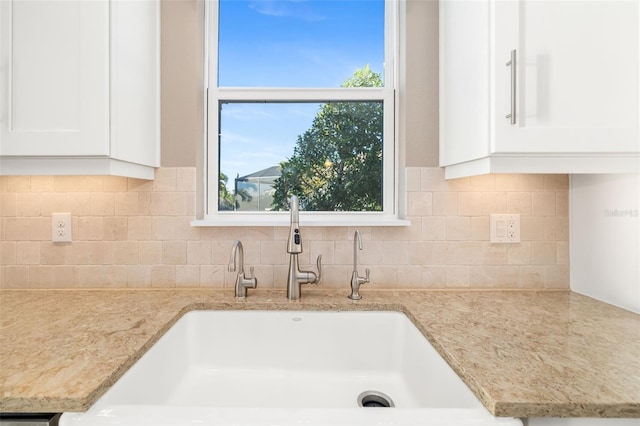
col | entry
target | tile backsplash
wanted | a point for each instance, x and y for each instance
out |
(135, 233)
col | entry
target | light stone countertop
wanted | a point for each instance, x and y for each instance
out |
(523, 353)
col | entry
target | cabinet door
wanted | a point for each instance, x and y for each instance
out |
(54, 78)
(577, 76)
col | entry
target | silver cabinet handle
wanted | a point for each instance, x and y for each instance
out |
(512, 64)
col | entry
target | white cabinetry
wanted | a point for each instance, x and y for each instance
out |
(80, 85)
(574, 86)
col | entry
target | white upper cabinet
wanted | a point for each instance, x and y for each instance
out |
(539, 86)
(80, 84)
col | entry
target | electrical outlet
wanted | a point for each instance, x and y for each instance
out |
(61, 227)
(504, 228)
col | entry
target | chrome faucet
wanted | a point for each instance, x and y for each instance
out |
(242, 283)
(356, 280)
(297, 277)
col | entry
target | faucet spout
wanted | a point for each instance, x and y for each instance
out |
(242, 282)
(357, 280)
(296, 277)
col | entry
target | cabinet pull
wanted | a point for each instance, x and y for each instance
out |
(512, 64)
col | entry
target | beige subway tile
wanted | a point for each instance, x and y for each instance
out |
(174, 252)
(18, 184)
(140, 228)
(8, 204)
(494, 254)
(115, 183)
(187, 276)
(8, 252)
(42, 183)
(432, 276)
(115, 228)
(506, 182)
(163, 228)
(543, 204)
(126, 252)
(556, 182)
(40, 228)
(519, 254)
(126, 203)
(150, 252)
(532, 228)
(562, 253)
(186, 179)
(16, 276)
(2, 228)
(469, 204)
(165, 179)
(275, 253)
(3, 281)
(445, 203)
(17, 228)
(494, 276)
(556, 228)
(324, 248)
(144, 203)
(90, 276)
(53, 202)
(28, 204)
(562, 203)
(445, 253)
(102, 204)
(531, 182)
(103, 252)
(89, 228)
(27, 253)
(221, 252)
(40, 276)
(114, 276)
(543, 253)
(163, 276)
(532, 277)
(519, 202)
(432, 179)
(65, 277)
(337, 276)
(412, 179)
(213, 233)
(213, 276)
(479, 228)
(78, 203)
(419, 204)
(382, 276)
(419, 252)
(259, 233)
(557, 277)
(493, 202)
(198, 252)
(395, 253)
(457, 185)
(90, 183)
(482, 183)
(168, 204)
(470, 253)
(408, 276)
(343, 251)
(138, 276)
(78, 253)
(3, 183)
(457, 276)
(52, 254)
(458, 228)
(66, 183)
(372, 253)
(433, 228)
(263, 275)
(332, 233)
(190, 200)
(184, 230)
(280, 276)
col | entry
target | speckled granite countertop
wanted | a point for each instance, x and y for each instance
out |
(523, 353)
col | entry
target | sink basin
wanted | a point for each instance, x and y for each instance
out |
(289, 368)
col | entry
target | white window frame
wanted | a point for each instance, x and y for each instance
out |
(387, 94)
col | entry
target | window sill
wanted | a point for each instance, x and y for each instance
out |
(305, 220)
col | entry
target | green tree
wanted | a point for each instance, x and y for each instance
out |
(337, 164)
(228, 200)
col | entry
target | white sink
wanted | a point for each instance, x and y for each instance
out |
(289, 368)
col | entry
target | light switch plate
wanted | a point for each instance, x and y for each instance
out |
(61, 227)
(504, 228)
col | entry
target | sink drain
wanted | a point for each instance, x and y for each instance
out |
(374, 399)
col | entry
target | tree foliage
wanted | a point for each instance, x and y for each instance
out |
(337, 164)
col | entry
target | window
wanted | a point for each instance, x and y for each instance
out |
(300, 100)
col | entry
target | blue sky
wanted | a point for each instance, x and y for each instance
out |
(287, 43)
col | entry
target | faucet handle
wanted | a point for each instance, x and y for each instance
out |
(319, 266)
(251, 276)
(368, 275)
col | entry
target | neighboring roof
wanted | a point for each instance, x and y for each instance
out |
(273, 171)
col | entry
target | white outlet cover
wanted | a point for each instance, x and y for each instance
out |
(61, 227)
(504, 228)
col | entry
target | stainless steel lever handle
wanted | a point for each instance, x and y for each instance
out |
(512, 64)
